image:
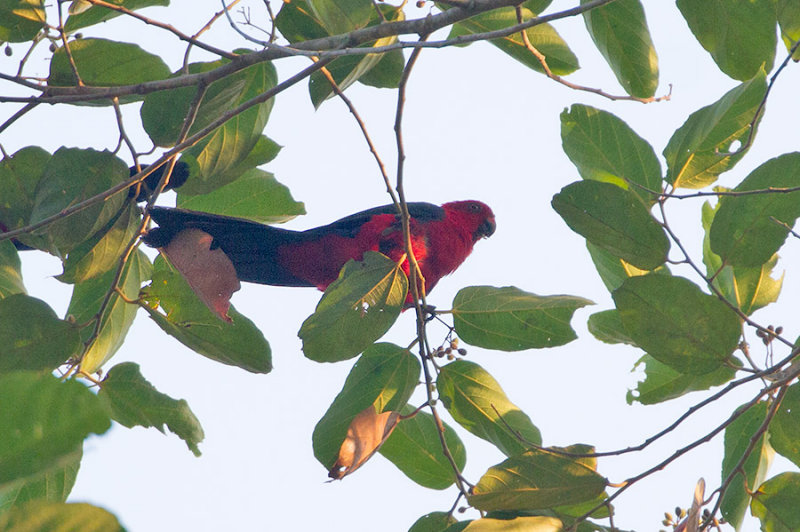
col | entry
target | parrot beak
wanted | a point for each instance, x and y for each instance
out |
(486, 229)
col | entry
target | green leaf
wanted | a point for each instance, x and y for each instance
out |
(21, 20)
(739, 34)
(433, 522)
(536, 479)
(297, 22)
(356, 309)
(747, 230)
(620, 32)
(784, 431)
(32, 337)
(676, 323)
(387, 72)
(662, 383)
(118, 318)
(238, 343)
(105, 63)
(607, 327)
(510, 319)
(347, 70)
(697, 152)
(255, 195)
(44, 422)
(543, 37)
(44, 516)
(100, 253)
(342, 16)
(96, 14)
(737, 438)
(384, 376)
(613, 271)
(10, 271)
(604, 148)
(775, 503)
(135, 402)
(414, 447)
(71, 176)
(535, 523)
(218, 159)
(19, 175)
(789, 20)
(614, 219)
(477, 402)
(55, 484)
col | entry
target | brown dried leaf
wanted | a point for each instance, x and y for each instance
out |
(366, 434)
(208, 271)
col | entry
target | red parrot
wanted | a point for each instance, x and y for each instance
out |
(442, 238)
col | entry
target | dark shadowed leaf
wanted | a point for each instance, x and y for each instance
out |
(784, 431)
(614, 219)
(737, 438)
(662, 383)
(297, 22)
(238, 343)
(356, 309)
(118, 318)
(620, 32)
(747, 230)
(44, 422)
(510, 319)
(45, 516)
(21, 20)
(698, 150)
(54, 484)
(19, 175)
(543, 37)
(775, 503)
(387, 72)
(536, 479)
(10, 271)
(135, 402)
(342, 16)
(96, 14)
(605, 148)
(477, 402)
(433, 522)
(384, 377)
(676, 323)
(70, 176)
(255, 195)
(739, 34)
(607, 327)
(414, 447)
(32, 337)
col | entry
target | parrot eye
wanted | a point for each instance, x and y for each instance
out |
(474, 207)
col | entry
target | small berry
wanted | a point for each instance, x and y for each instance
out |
(8, 51)
(462, 351)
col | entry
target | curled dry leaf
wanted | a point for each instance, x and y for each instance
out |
(208, 271)
(366, 434)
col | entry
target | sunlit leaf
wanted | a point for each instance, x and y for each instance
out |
(433, 522)
(415, 448)
(365, 435)
(342, 16)
(676, 323)
(789, 20)
(739, 34)
(118, 318)
(775, 503)
(698, 150)
(256, 195)
(45, 516)
(476, 401)
(510, 319)
(384, 377)
(44, 422)
(356, 309)
(186, 318)
(662, 383)
(605, 148)
(620, 32)
(96, 14)
(536, 479)
(613, 271)
(135, 402)
(614, 219)
(784, 431)
(10, 271)
(21, 20)
(747, 230)
(535, 523)
(32, 337)
(738, 436)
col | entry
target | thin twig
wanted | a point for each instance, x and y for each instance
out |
(202, 30)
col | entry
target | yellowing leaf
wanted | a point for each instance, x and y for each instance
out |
(366, 434)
